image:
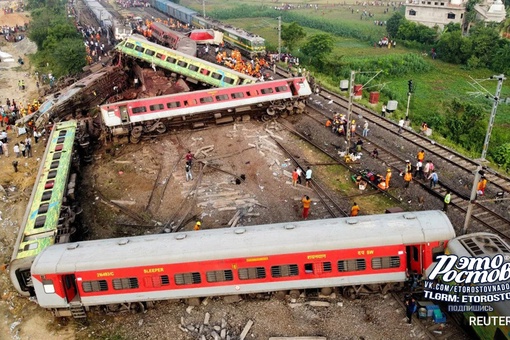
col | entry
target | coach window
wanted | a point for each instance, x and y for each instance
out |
(237, 95)
(139, 48)
(129, 45)
(351, 265)
(48, 286)
(156, 107)
(252, 273)
(437, 251)
(173, 105)
(182, 63)
(205, 72)
(52, 174)
(39, 221)
(317, 268)
(94, 286)
(156, 281)
(140, 109)
(193, 68)
(282, 89)
(385, 262)
(222, 97)
(126, 283)
(216, 76)
(219, 275)
(205, 100)
(150, 52)
(56, 155)
(229, 80)
(159, 56)
(187, 278)
(267, 91)
(171, 60)
(284, 270)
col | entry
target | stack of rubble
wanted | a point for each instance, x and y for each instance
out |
(209, 331)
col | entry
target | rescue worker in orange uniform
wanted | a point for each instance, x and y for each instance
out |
(354, 209)
(197, 226)
(388, 177)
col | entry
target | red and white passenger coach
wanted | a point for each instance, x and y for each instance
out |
(222, 105)
(348, 252)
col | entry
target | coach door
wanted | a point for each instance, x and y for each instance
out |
(124, 117)
(70, 287)
(414, 258)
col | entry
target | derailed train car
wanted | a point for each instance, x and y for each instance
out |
(341, 252)
(194, 109)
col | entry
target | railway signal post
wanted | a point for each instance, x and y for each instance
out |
(410, 84)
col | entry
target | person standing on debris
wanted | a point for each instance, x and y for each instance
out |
(308, 176)
(15, 165)
(189, 175)
(446, 201)
(383, 111)
(426, 169)
(189, 158)
(295, 177)
(354, 209)
(16, 150)
(306, 206)
(197, 226)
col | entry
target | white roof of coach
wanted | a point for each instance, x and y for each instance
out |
(250, 241)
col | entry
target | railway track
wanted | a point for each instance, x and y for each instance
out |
(485, 215)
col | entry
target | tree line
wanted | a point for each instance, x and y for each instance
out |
(60, 48)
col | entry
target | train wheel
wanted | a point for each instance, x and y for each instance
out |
(134, 139)
(284, 114)
(280, 295)
(161, 128)
(326, 291)
(294, 294)
(266, 118)
(349, 293)
(137, 307)
(113, 308)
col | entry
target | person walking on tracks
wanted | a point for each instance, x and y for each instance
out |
(189, 175)
(306, 206)
(388, 178)
(433, 179)
(408, 177)
(308, 176)
(446, 201)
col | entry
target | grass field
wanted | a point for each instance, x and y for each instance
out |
(443, 81)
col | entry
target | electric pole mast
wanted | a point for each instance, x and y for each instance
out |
(279, 38)
(478, 173)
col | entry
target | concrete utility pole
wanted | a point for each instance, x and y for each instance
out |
(203, 8)
(349, 112)
(279, 38)
(410, 83)
(478, 173)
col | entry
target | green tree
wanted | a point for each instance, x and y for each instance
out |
(394, 23)
(68, 57)
(486, 41)
(291, 34)
(501, 59)
(501, 156)
(452, 47)
(317, 48)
